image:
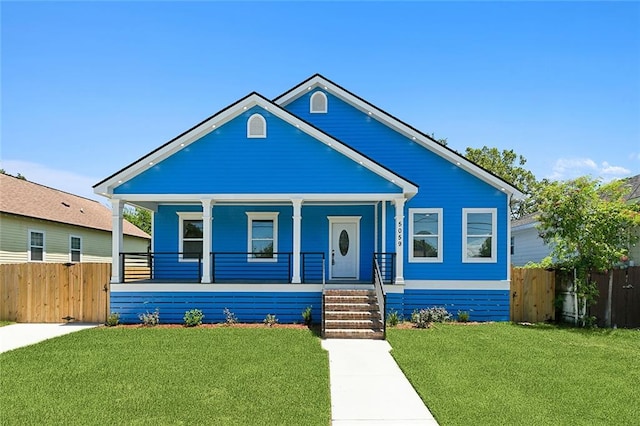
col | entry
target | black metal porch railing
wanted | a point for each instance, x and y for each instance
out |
(230, 267)
(161, 266)
(381, 295)
(387, 266)
(313, 267)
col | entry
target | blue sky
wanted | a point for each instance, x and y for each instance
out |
(88, 87)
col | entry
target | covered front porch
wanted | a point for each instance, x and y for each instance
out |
(313, 239)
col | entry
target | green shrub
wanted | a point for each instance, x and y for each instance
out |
(393, 318)
(424, 317)
(230, 317)
(150, 319)
(463, 316)
(270, 320)
(307, 318)
(113, 319)
(193, 318)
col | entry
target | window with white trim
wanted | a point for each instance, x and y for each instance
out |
(75, 248)
(318, 103)
(262, 241)
(36, 246)
(479, 232)
(256, 126)
(191, 236)
(425, 228)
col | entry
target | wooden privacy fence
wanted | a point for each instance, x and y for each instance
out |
(625, 297)
(532, 295)
(50, 292)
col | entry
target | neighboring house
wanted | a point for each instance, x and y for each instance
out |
(41, 224)
(266, 204)
(527, 246)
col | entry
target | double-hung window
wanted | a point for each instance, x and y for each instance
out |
(191, 235)
(262, 242)
(425, 228)
(479, 229)
(75, 248)
(36, 246)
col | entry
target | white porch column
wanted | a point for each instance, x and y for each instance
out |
(116, 240)
(297, 226)
(206, 240)
(399, 240)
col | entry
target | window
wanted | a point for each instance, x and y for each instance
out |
(36, 246)
(191, 234)
(256, 127)
(75, 248)
(425, 228)
(479, 233)
(513, 245)
(318, 103)
(262, 236)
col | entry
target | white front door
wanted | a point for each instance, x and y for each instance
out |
(344, 247)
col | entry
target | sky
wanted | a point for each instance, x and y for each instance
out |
(89, 87)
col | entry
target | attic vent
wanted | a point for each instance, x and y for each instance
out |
(256, 127)
(318, 102)
(66, 204)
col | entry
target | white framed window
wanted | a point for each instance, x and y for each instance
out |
(479, 235)
(256, 126)
(75, 249)
(36, 245)
(318, 103)
(191, 235)
(262, 240)
(425, 228)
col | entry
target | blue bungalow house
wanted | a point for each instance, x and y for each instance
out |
(271, 206)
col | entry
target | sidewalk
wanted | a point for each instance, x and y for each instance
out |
(18, 335)
(368, 387)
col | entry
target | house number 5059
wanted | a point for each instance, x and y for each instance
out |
(399, 234)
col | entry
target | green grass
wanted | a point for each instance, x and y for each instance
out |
(3, 323)
(230, 376)
(506, 374)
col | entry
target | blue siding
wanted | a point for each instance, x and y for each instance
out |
(395, 302)
(247, 306)
(442, 185)
(482, 305)
(226, 161)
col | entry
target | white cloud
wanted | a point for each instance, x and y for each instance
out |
(58, 179)
(570, 168)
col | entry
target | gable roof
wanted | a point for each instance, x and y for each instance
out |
(28, 199)
(398, 125)
(106, 186)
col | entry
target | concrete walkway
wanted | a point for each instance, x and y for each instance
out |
(18, 335)
(368, 387)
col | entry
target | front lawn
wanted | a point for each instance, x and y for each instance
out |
(168, 376)
(507, 374)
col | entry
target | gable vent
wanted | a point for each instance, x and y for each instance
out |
(318, 102)
(256, 127)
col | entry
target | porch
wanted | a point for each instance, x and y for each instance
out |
(238, 268)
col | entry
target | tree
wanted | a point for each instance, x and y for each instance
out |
(589, 225)
(18, 176)
(139, 217)
(509, 166)
(441, 141)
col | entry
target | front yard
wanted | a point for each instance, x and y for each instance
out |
(230, 376)
(506, 374)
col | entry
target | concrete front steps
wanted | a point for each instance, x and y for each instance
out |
(352, 314)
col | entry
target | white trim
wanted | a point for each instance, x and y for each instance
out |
(259, 198)
(182, 216)
(262, 135)
(44, 245)
(297, 239)
(439, 257)
(510, 243)
(216, 288)
(375, 227)
(494, 235)
(117, 239)
(71, 237)
(318, 93)
(251, 216)
(344, 219)
(383, 241)
(456, 285)
(207, 239)
(395, 124)
(399, 240)
(213, 124)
